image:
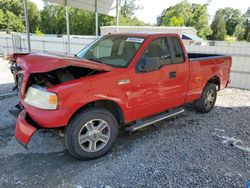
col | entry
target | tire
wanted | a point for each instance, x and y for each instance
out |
(207, 100)
(91, 133)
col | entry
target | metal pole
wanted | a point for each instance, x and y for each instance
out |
(96, 18)
(117, 15)
(67, 24)
(27, 24)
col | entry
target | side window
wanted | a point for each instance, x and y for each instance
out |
(156, 55)
(178, 52)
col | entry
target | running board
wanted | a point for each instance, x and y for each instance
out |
(147, 122)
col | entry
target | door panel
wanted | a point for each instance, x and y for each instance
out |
(164, 88)
(145, 94)
(173, 90)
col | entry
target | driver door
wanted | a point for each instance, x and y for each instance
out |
(147, 87)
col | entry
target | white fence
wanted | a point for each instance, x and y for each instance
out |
(240, 51)
(45, 44)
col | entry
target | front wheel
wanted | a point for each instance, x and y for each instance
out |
(207, 100)
(91, 133)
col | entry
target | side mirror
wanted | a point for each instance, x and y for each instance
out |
(148, 64)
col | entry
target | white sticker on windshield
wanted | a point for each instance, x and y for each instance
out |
(138, 40)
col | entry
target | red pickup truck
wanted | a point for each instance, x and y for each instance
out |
(119, 80)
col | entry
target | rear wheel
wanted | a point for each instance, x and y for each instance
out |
(207, 100)
(91, 133)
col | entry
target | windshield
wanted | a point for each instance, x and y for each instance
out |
(114, 50)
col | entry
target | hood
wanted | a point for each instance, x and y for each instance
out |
(38, 62)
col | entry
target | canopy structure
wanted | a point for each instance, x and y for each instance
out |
(107, 7)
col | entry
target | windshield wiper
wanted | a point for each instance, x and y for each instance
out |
(96, 60)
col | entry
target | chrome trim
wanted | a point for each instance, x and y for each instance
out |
(123, 82)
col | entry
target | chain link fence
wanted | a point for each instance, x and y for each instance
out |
(45, 44)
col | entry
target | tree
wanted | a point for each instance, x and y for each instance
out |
(182, 9)
(195, 15)
(127, 16)
(81, 22)
(10, 22)
(2, 21)
(10, 16)
(13, 15)
(248, 37)
(130, 21)
(247, 24)
(200, 20)
(33, 15)
(232, 17)
(235, 23)
(240, 29)
(219, 27)
(176, 21)
(14, 6)
(128, 8)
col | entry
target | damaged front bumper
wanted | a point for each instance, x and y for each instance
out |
(24, 130)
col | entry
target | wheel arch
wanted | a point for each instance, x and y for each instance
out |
(109, 105)
(215, 80)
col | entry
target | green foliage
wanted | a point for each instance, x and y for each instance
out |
(14, 6)
(234, 21)
(82, 22)
(247, 28)
(10, 22)
(182, 9)
(194, 15)
(200, 20)
(232, 17)
(230, 38)
(38, 32)
(240, 31)
(33, 15)
(248, 37)
(11, 16)
(128, 8)
(219, 27)
(131, 21)
(176, 21)
(125, 21)
(52, 18)
(2, 21)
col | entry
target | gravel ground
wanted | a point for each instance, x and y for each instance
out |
(191, 150)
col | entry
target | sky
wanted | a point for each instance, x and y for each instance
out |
(152, 9)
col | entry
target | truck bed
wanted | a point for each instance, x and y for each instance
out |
(200, 56)
(204, 67)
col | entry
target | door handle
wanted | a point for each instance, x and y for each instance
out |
(172, 75)
(123, 82)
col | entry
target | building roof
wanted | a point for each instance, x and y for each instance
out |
(153, 27)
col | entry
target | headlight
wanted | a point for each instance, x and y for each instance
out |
(40, 98)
